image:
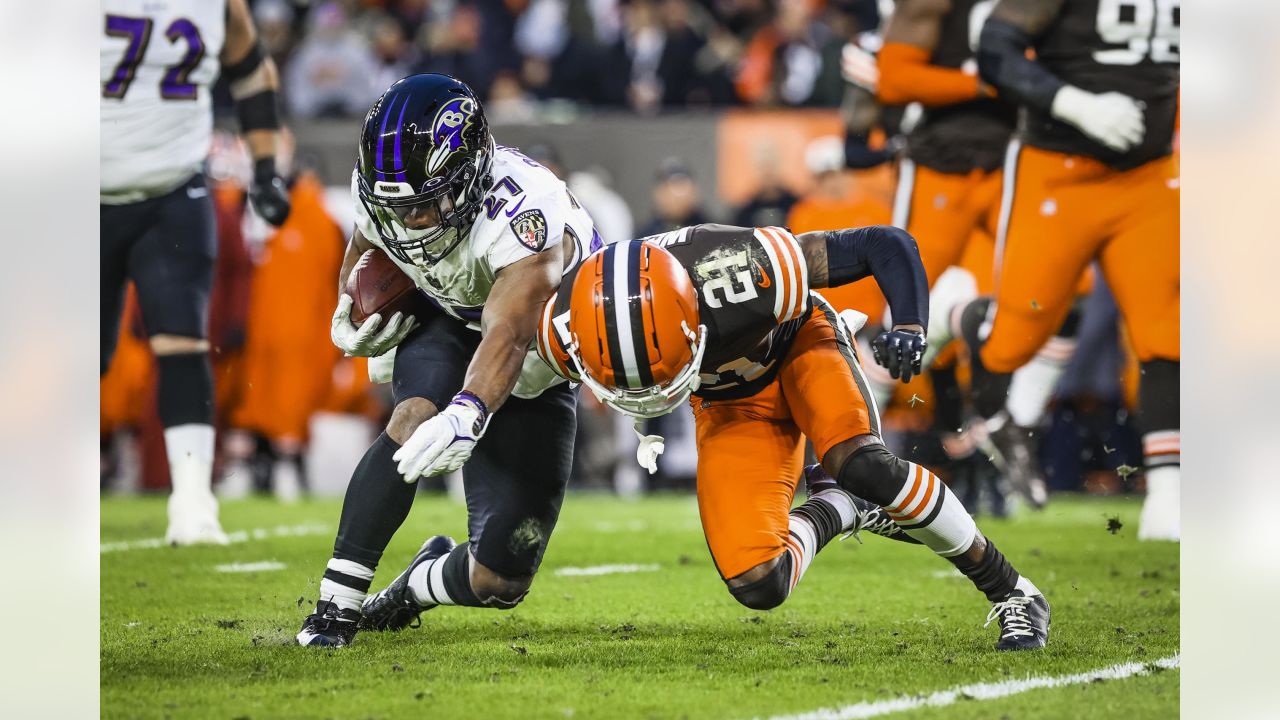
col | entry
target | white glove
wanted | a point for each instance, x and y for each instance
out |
(859, 67)
(382, 367)
(442, 444)
(651, 446)
(1113, 119)
(366, 340)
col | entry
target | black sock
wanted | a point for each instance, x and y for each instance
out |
(184, 392)
(948, 409)
(824, 518)
(376, 505)
(457, 577)
(989, 389)
(993, 574)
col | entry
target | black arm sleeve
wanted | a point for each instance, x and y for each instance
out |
(1003, 63)
(890, 255)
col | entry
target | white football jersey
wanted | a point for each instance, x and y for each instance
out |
(527, 210)
(159, 63)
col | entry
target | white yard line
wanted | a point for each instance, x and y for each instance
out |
(979, 691)
(238, 536)
(262, 566)
(603, 570)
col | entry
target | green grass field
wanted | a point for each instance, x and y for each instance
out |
(870, 623)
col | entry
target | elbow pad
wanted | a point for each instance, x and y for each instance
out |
(245, 66)
(1003, 63)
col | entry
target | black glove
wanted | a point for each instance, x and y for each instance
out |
(268, 193)
(900, 352)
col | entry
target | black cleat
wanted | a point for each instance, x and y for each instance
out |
(1024, 621)
(393, 608)
(871, 517)
(1015, 454)
(328, 626)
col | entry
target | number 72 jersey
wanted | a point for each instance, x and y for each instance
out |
(158, 64)
(753, 296)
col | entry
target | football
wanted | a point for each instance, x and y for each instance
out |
(377, 285)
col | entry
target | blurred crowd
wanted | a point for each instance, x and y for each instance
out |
(337, 56)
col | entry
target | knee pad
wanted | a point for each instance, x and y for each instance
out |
(185, 393)
(1158, 402)
(769, 591)
(502, 593)
(874, 473)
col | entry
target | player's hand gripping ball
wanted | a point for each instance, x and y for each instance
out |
(900, 352)
(375, 289)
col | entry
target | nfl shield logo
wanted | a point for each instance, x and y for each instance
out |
(531, 228)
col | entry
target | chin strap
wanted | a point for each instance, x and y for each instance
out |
(651, 446)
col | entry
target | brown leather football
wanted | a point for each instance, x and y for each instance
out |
(378, 285)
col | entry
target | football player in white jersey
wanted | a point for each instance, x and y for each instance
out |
(486, 234)
(159, 62)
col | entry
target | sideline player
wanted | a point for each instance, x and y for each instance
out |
(1094, 180)
(949, 196)
(159, 61)
(485, 233)
(726, 314)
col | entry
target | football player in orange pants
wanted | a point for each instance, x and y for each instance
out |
(1095, 181)
(725, 314)
(950, 195)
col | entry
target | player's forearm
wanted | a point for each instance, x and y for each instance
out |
(888, 254)
(907, 76)
(509, 322)
(1003, 62)
(254, 85)
(496, 366)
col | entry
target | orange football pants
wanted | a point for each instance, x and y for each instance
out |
(1066, 212)
(751, 450)
(947, 213)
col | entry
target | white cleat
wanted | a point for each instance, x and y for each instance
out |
(1161, 517)
(193, 519)
(954, 288)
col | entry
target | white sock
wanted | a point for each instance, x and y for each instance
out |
(1164, 479)
(930, 513)
(1033, 384)
(190, 451)
(1027, 587)
(426, 583)
(341, 594)
(802, 544)
(840, 500)
(1161, 449)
